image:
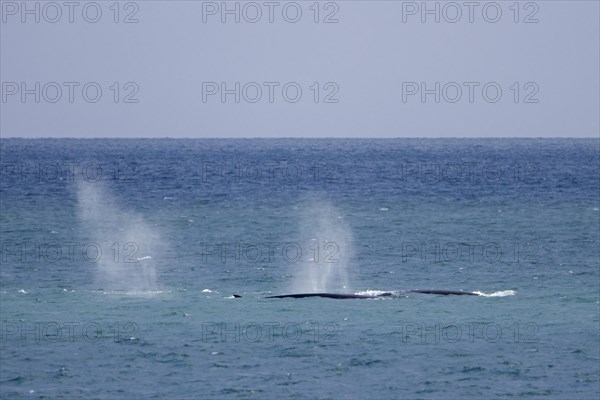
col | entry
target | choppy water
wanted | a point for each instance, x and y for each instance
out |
(120, 259)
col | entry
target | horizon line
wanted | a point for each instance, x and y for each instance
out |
(298, 137)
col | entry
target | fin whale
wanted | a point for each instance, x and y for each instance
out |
(361, 296)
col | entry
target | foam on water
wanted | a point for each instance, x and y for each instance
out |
(500, 293)
(372, 292)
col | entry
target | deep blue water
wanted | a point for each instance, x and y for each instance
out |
(119, 259)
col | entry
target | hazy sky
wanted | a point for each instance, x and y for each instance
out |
(296, 69)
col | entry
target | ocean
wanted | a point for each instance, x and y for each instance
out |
(138, 268)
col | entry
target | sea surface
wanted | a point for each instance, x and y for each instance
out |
(120, 260)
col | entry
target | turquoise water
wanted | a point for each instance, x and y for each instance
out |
(120, 258)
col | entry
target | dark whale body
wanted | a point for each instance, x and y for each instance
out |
(360, 296)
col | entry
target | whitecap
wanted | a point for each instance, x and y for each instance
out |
(371, 293)
(500, 293)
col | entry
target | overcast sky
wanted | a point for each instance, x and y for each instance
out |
(291, 69)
